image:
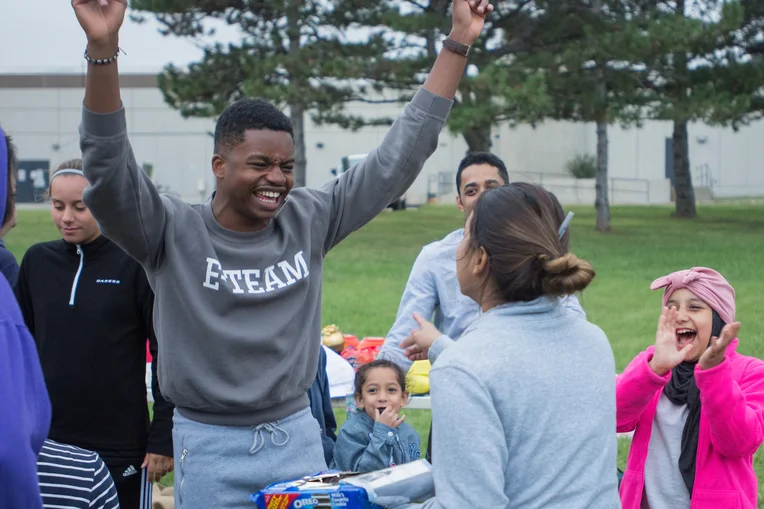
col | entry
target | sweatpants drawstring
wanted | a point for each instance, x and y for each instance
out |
(259, 440)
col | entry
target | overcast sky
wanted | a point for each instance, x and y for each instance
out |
(44, 37)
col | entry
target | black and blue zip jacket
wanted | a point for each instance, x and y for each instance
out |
(89, 309)
(321, 407)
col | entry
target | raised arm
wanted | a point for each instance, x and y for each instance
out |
(735, 410)
(120, 195)
(648, 373)
(635, 388)
(357, 196)
(734, 407)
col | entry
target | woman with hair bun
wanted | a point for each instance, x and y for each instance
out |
(524, 403)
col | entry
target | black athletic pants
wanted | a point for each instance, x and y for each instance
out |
(133, 489)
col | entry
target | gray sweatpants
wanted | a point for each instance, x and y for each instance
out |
(221, 466)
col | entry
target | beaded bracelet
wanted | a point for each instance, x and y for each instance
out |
(102, 61)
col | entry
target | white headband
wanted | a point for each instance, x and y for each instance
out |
(67, 171)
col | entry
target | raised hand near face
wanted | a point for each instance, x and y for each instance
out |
(389, 417)
(667, 356)
(714, 354)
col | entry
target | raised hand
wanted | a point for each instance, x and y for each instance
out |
(389, 417)
(667, 356)
(468, 17)
(419, 342)
(714, 354)
(100, 19)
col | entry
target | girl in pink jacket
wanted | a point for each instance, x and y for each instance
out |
(695, 405)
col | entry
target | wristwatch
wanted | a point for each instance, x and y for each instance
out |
(456, 47)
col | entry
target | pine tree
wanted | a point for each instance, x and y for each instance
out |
(583, 74)
(699, 69)
(292, 53)
(416, 29)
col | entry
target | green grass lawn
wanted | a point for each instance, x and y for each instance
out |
(365, 275)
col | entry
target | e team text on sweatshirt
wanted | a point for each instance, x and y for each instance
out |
(238, 314)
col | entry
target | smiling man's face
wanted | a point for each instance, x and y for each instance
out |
(255, 176)
(475, 180)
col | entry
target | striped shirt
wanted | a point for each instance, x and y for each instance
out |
(74, 478)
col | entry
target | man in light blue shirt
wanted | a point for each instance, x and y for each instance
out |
(432, 290)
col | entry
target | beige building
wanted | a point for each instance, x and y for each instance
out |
(42, 112)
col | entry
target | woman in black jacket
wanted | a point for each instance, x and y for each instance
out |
(89, 307)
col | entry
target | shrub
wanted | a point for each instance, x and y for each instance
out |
(583, 166)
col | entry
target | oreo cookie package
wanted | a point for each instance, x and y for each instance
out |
(323, 491)
(410, 482)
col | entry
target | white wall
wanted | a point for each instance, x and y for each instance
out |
(735, 159)
(180, 149)
(544, 149)
(44, 125)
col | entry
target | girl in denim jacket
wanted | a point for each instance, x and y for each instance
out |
(376, 437)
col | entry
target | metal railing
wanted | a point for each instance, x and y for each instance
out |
(705, 177)
(441, 184)
(545, 180)
(445, 184)
(432, 187)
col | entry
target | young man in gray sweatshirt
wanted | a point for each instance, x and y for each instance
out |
(238, 278)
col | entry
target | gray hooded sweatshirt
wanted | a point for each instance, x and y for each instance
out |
(238, 314)
(523, 412)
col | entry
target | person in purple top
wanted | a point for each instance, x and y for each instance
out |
(25, 418)
(8, 265)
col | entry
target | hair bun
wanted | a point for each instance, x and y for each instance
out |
(566, 275)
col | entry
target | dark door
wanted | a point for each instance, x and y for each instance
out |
(670, 160)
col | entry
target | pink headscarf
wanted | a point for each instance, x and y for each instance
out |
(707, 284)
